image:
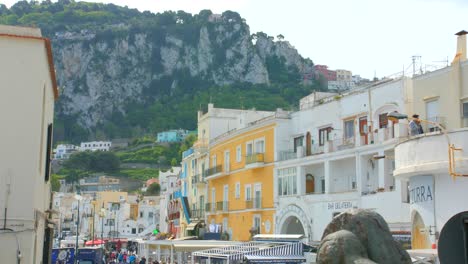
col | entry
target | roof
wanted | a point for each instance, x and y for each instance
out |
(31, 33)
(238, 252)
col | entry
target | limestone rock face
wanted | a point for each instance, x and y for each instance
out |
(360, 235)
(100, 73)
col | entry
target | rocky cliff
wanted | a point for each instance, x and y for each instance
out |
(112, 60)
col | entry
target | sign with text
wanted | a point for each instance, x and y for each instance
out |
(342, 205)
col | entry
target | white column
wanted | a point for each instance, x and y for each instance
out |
(359, 173)
(301, 180)
(381, 171)
(326, 171)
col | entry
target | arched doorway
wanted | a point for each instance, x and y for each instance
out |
(308, 144)
(419, 234)
(292, 226)
(310, 183)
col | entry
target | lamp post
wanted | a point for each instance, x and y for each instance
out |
(78, 198)
(102, 223)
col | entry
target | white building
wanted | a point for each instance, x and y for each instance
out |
(27, 97)
(435, 171)
(63, 151)
(328, 165)
(95, 146)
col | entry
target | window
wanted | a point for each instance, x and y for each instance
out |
(238, 154)
(260, 146)
(257, 222)
(349, 129)
(465, 109)
(110, 222)
(383, 120)
(141, 214)
(249, 149)
(287, 181)
(237, 190)
(298, 142)
(324, 135)
(140, 230)
(48, 152)
(227, 158)
(248, 192)
(214, 161)
(150, 215)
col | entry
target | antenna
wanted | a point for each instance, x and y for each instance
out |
(414, 58)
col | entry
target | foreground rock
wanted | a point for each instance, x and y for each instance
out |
(359, 236)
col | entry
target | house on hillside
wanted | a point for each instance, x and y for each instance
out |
(29, 90)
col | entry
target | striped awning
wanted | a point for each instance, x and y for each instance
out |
(274, 259)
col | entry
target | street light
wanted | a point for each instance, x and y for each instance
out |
(78, 198)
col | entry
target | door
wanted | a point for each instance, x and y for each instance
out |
(310, 183)
(308, 144)
(363, 129)
(432, 114)
(258, 195)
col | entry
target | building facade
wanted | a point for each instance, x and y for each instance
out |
(63, 151)
(433, 163)
(28, 92)
(240, 184)
(329, 165)
(95, 146)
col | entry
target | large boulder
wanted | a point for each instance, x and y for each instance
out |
(370, 240)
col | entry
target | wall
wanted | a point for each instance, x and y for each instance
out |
(27, 104)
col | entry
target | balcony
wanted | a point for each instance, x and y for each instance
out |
(210, 207)
(195, 179)
(341, 144)
(255, 203)
(198, 214)
(286, 155)
(222, 206)
(254, 160)
(317, 149)
(214, 170)
(428, 127)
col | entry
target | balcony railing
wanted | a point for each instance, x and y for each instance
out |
(254, 158)
(210, 207)
(222, 206)
(198, 214)
(214, 170)
(428, 127)
(196, 179)
(286, 155)
(341, 143)
(317, 149)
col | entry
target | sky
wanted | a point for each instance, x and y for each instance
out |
(368, 37)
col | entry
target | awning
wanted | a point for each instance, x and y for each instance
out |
(275, 259)
(197, 247)
(191, 226)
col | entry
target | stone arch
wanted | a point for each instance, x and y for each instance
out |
(293, 214)
(386, 108)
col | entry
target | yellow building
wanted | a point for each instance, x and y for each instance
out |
(240, 182)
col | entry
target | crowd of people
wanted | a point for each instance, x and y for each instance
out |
(122, 257)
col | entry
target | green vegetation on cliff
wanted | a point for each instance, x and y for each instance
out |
(219, 48)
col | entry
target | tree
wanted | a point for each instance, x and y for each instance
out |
(153, 189)
(55, 182)
(174, 162)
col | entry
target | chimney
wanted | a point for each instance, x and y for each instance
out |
(460, 56)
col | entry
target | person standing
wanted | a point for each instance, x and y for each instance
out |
(415, 126)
